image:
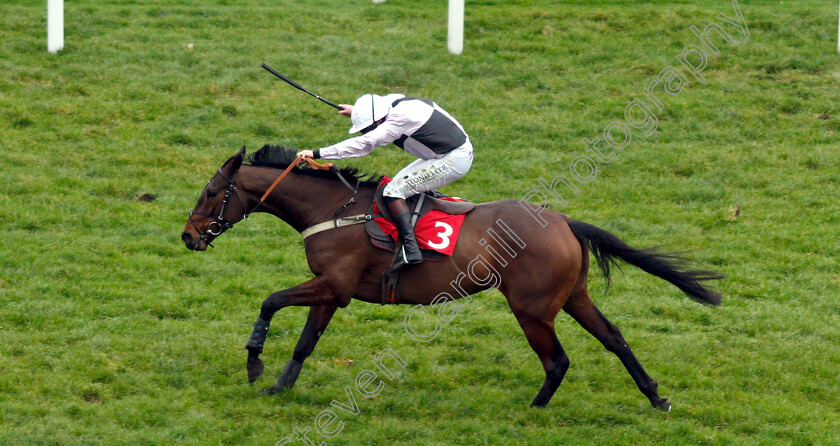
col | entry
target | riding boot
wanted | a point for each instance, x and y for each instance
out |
(402, 219)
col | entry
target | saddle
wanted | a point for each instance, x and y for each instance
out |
(421, 205)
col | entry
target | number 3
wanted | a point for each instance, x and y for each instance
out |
(443, 235)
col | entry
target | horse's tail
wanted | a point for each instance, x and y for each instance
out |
(669, 266)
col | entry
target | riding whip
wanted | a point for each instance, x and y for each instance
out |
(296, 85)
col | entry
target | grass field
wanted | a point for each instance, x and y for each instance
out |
(113, 333)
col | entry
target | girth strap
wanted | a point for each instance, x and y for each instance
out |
(337, 223)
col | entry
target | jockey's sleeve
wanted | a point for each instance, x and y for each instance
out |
(387, 132)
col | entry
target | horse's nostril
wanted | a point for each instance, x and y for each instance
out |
(186, 237)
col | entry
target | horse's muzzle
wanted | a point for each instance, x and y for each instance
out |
(193, 243)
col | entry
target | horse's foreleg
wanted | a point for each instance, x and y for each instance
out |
(581, 308)
(313, 293)
(316, 323)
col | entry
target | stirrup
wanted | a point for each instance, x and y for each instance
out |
(413, 261)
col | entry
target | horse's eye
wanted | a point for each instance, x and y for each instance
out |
(211, 194)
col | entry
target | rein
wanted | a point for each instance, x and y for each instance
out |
(295, 163)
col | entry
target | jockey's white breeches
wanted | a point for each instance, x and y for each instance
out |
(425, 175)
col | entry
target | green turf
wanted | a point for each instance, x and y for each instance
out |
(113, 333)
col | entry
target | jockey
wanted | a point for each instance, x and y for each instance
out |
(418, 126)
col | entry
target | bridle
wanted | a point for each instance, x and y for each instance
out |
(222, 224)
(219, 220)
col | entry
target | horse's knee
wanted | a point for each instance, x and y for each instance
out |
(270, 305)
(302, 352)
(266, 306)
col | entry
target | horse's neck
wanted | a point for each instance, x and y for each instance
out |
(299, 199)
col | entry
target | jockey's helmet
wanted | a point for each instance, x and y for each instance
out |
(368, 109)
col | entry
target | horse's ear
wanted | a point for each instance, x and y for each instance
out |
(238, 158)
(235, 162)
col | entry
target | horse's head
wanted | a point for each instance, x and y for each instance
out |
(219, 206)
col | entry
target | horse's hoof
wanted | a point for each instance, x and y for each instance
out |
(274, 389)
(664, 405)
(539, 403)
(271, 390)
(255, 369)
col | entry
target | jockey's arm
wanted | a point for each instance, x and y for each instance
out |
(384, 134)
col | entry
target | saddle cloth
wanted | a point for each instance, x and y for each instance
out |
(437, 228)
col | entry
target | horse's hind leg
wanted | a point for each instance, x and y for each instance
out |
(540, 334)
(581, 308)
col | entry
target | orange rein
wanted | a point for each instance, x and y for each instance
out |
(295, 163)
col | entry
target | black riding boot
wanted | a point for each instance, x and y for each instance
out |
(402, 218)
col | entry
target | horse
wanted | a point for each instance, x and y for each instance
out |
(540, 265)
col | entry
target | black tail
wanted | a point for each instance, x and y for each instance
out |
(669, 266)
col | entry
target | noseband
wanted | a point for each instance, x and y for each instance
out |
(219, 223)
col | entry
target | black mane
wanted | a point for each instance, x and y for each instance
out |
(280, 157)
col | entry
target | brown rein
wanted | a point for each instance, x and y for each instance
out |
(300, 158)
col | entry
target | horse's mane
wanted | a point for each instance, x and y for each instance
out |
(280, 157)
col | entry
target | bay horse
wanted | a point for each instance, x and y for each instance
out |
(548, 274)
